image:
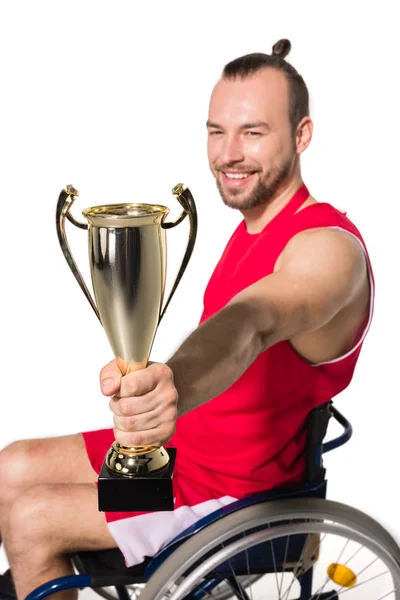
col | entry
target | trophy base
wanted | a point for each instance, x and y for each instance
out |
(149, 492)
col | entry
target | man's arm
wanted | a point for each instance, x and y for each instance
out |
(319, 273)
(317, 276)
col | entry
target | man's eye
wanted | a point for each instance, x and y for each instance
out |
(215, 132)
(253, 133)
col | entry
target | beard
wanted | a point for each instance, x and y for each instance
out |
(263, 191)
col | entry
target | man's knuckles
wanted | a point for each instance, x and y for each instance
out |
(144, 421)
(163, 372)
(170, 396)
(157, 375)
(131, 385)
(162, 402)
(168, 415)
(129, 424)
(123, 407)
(127, 407)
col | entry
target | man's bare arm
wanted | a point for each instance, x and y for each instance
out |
(319, 273)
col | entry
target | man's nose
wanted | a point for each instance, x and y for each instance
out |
(232, 150)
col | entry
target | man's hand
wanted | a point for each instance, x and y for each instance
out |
(144, 404)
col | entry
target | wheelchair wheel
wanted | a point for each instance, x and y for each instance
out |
(305, 549)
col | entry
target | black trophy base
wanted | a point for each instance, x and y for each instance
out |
(151, 492)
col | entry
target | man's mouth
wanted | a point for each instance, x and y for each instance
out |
(236, 179)
(236, 175)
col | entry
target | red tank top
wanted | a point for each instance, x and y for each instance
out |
(251, 437)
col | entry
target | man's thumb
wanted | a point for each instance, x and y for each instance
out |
(110, 379)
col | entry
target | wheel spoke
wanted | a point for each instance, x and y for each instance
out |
(353, 555)
(388, 594)
(275, 569)
(234, 583)
(342, 590)
(248, 570)
(297, 570)
(294, 578)
(284, 563)
(321, 589)
(367, 567)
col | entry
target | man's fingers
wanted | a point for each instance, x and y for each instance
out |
(125, 407)
(145, 421)
(137, 423)
(110, 378)
(143, 381)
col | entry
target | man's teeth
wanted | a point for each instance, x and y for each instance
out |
(237, 175)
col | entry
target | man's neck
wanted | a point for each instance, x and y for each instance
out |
(258, 217)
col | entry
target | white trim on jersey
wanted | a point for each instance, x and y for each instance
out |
(371, 305)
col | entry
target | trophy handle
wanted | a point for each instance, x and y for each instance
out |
(186, 200)
(65, 201)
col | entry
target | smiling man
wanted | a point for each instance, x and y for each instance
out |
(285, 314)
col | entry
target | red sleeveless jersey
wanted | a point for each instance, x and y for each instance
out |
(251, 437)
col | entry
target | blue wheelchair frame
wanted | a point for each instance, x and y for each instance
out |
(314, 487)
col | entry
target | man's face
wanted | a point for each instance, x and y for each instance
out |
(251, 147)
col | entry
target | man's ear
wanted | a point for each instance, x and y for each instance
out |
(304, 133)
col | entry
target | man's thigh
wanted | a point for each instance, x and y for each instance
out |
(28, 463)
(58, 518)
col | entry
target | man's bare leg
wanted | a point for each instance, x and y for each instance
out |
(27, 464)
(48, 522)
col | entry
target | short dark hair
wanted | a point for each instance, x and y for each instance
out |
(251, 63)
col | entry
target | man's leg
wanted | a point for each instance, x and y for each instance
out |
(29, 463)
(48, 522)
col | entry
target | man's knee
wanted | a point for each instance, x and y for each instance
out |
(28, 463)
(15, 469)
(22, 465)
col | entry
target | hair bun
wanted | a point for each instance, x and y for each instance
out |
(281, 48)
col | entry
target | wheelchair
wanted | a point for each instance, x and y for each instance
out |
(287, 543)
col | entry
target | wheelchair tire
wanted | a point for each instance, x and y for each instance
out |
(186, 570)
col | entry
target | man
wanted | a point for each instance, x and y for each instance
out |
(285, 315)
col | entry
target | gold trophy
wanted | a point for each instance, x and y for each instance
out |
(127, 254)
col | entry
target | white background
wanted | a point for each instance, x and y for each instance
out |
(112, 97)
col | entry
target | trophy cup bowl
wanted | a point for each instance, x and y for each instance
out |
(127, 255)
